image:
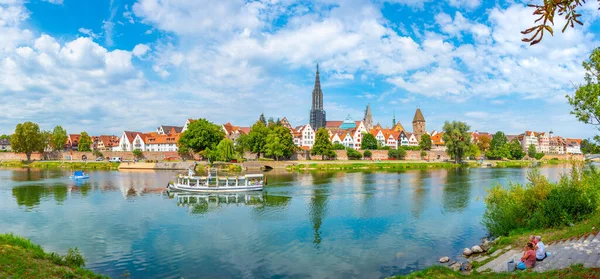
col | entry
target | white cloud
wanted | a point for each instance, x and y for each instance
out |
(88, 32)
(140, 50)
(465, 3)
(56, 2)
(437, 82)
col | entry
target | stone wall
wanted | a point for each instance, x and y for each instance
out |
(564, 157)
(383, 155)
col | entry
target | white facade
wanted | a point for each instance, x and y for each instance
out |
(529, 138)
(392, 142)
(126, 145)
(185, 126)
(380, 138)
(412, 140)
(403, 140)
(349, 141)
(336, 139)
(543, 143)
(358, 134)
(308, 135)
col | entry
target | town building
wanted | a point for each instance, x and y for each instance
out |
(160, 142)
(73, 141)
(130, 141)
(308, 136)
(104, 142)
(437, 142)
(419, 124)
(573, 146)
(163, 130)
(5, 145)
(318, 117)
(543, 143)
(529, 138)
(557, 145)
(234, 132)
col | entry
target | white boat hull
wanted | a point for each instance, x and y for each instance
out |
(79, 177)
(214, 189)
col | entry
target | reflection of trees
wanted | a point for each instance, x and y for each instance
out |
(457, 190)
(31, 195)
(28, 174)
(419, 193)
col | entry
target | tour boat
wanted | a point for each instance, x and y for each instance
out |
(77, 175)
(214, 183)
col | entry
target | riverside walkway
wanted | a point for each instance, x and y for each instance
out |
(583, 250)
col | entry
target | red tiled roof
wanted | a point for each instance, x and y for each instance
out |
(131, 135)
(333, 124)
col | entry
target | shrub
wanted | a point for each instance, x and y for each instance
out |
(393, 154)
(539, 156)
(97, 153)
(74, 258)
(541, 204)
(338, 146)
(368, 154)
(401, 154)
(423, 154)
(353, 154)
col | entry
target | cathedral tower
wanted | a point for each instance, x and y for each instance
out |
(317, 114)
(368, 119)
(419, 124)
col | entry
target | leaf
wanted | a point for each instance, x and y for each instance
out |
(549, 30)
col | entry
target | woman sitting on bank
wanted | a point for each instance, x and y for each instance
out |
(528, 259)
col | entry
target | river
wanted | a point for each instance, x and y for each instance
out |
(303, 225)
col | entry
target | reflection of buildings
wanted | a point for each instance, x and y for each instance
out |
(457, 190)
(318, 202)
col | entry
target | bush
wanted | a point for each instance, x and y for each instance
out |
(412, 148)
(539, 156)
(384, 148)
(97, 153)
(338, 146)
(353, 154)
(423, 154)
(368, 154)
(541, 204)
(393, 154)
(401, 154)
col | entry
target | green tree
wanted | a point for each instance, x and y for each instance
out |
(515, 149)
(484, 144)
(138, 154)
(59, 138)
(369, 142)
(225, 150)
(425, 143)
(257, 138)
(401, 154)
(457, 139)
(28, 138)
(474, 151)
(279, 143)
(586, 100)
(588, 146)
(184, 152)
(539, 156)
(338, 146)
(2, 137)
(242, 145)
(498, 147)
(353, 154)
(85, 142)
(531, 151)
(201, 135)
(545, 13)
(322, 144)
(97, 153)
(393, 154)
(262, 119)
(368, 154)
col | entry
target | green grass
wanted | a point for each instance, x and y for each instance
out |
(64, 165)
(21, 258)
(576, 271)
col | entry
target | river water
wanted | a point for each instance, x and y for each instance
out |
(303, 225)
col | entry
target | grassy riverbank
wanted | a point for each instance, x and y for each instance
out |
(370, 165)
(575, 272)
(63, 165)
(20, 258)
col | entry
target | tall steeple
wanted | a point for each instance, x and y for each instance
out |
(419, 124)
(394, 120)
(317, 114)
(368, 119)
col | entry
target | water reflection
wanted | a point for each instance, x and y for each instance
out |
(457, 190)
(318, 203)
(417, 182)
(202, 203)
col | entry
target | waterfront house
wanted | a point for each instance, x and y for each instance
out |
(412, 139)
(392, 139)
(5, 145)
(529, 138)
(336, 138)
(232, 132)
(510, 138)
(308, 135)
(397, 127)
(475, 136)
(379, 136)
(104, 142)
(161, 142)
(573, 146)
(357, 134)
(130, 141)
(163, 130)
(437, 142)
(543, 143)
(403, 138)
(557, 145)
(348, 140)
(73, 141)
(187, 123)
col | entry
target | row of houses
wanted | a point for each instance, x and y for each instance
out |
(544, 142)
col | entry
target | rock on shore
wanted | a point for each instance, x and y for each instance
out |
(467, 252)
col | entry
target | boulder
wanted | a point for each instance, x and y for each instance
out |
(468, 267)
(476, 249)
(444, 259)
(486, 246)
(456, 266)
(467, 252)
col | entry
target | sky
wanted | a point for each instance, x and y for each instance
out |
(105, 66)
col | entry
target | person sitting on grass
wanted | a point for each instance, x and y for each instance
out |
(540, 249)
(528, 259)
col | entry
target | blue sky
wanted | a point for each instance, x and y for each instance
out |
(105, 66)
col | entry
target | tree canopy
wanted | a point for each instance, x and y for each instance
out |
(531, 151)
(425, 143)
(457, 139)
(498, 147)
(138, 154)
(484, 144)
(242, 145)
(515, 150)
(546, 11)
(59, 138)
(589, 146)
(28, 138)
(4, 137)
(279, 142)
(586, 100)
(85, 142)
(322, 145)
(201, 135)
(369, 142)
(225, 150)
(257, 138)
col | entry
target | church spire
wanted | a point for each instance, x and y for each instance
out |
(368, 119)
(317, 114)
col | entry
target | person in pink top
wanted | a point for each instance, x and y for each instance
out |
(528, 259)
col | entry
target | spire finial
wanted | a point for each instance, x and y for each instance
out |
(317, 67)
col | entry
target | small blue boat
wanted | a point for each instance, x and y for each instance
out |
(77, 175)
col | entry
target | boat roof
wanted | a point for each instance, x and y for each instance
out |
(78, 173)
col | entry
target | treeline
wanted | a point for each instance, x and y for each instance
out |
(29, 138)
